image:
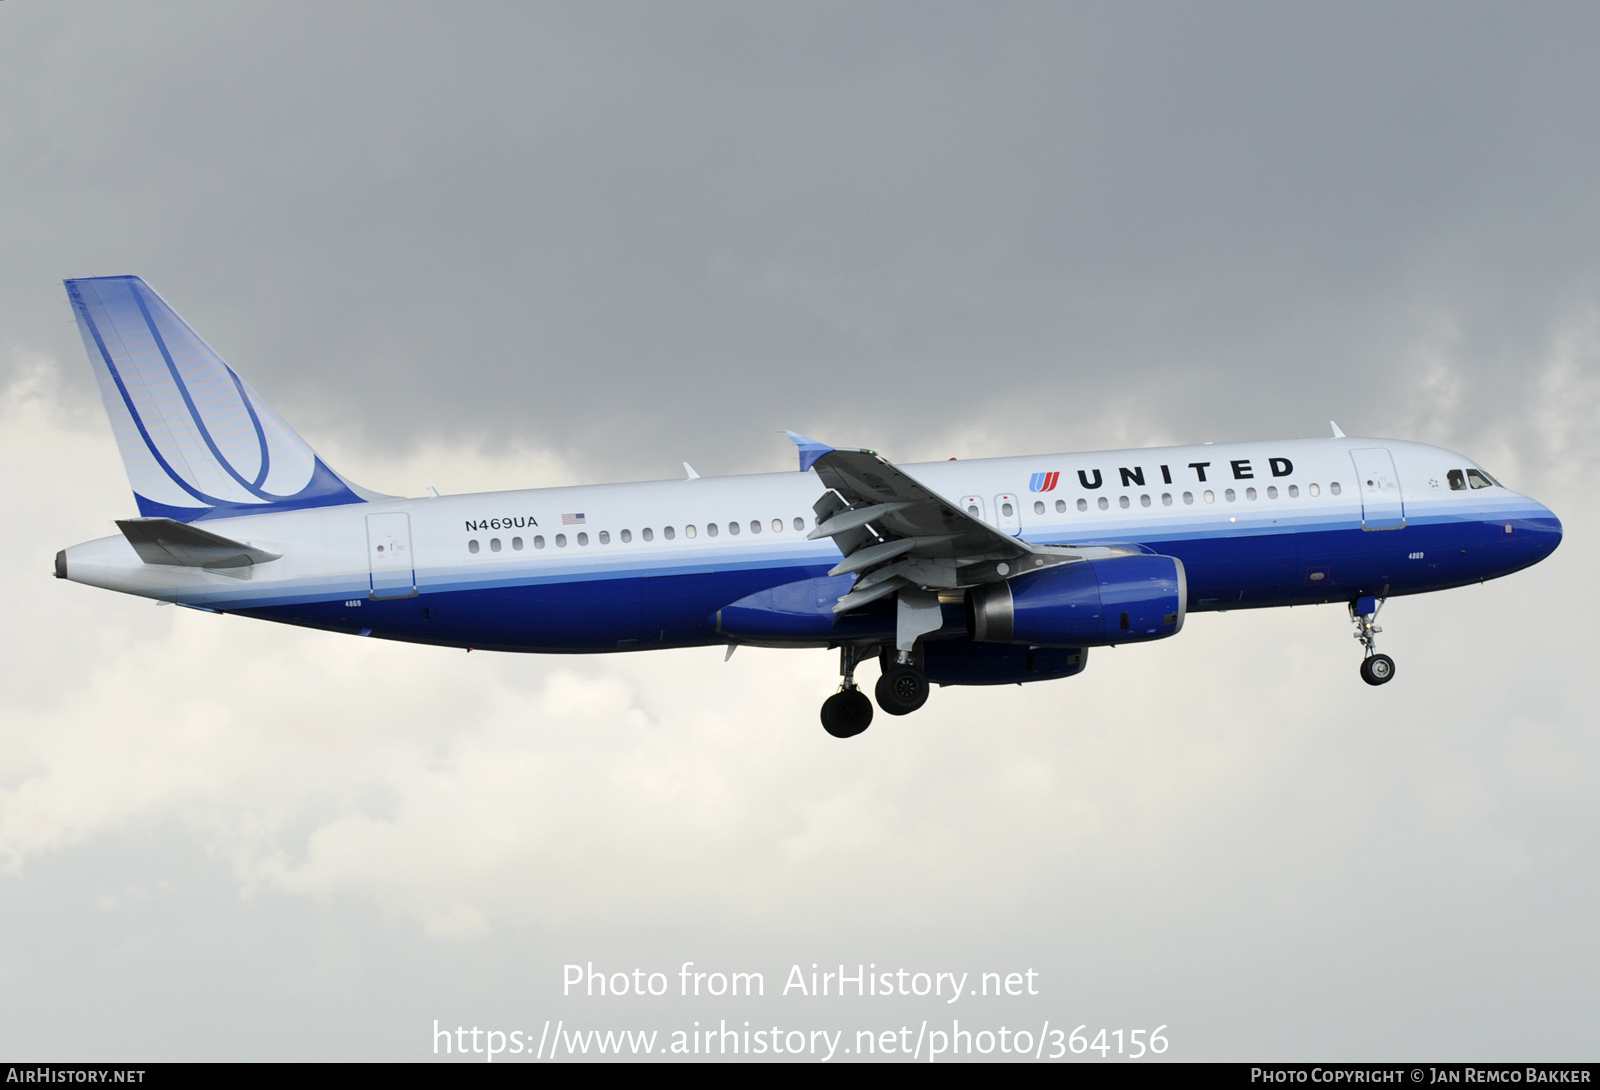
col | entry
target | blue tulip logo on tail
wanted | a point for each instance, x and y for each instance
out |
(1044, 482)
(196, 440)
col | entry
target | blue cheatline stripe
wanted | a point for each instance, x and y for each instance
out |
(1208, 561)
(194, 412)
(127, 400)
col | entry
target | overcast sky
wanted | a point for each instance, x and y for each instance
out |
(502, 245)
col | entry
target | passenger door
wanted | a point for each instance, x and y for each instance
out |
(389, 555)
(1382, 507)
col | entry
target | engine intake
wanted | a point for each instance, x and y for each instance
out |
(1092, 603)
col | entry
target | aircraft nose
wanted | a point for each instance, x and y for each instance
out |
(1546, 529)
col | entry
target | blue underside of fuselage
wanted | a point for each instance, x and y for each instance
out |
(636, 611)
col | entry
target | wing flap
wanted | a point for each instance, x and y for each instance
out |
(899, 537)
(897, 534)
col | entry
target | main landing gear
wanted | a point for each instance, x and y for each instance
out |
(901, 690)
(848, 712)
(1376, 669)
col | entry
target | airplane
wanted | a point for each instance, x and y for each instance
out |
(976, 572)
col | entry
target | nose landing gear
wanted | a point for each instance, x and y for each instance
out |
(1376, 669)
(848, 712)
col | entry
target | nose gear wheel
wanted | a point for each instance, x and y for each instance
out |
(1377, 669)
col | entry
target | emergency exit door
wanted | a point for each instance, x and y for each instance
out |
(1008, 514)
(389, 555)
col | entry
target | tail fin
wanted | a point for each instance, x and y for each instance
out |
(197, 442)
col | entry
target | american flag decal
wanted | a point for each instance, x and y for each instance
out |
(572, 520)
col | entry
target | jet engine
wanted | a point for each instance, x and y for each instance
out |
(1090, 603)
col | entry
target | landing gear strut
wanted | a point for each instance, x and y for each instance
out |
(1376, 669)
(848, 712)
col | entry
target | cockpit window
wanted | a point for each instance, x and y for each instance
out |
(1478, 480)
(1457, 479)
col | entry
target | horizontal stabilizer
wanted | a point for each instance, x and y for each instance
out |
(167, 541)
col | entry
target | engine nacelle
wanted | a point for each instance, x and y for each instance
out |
(1092, 603)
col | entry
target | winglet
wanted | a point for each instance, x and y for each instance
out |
(810, 449)
(1337, 434)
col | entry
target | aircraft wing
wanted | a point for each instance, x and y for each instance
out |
(899, 534)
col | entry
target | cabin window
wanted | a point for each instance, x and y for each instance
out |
(1478, 480)
(583, 538)
(1294, 491)
(1083, 505)
(1061, 507)
(1166, 499)
(1038, 507)
(1313, 489)
(516, 543)
(733, 528)
(972, 509)
(755, 526)
(605, 537)
(1188, 497)
(777, 526)
(1334, 488)
(1211, 497)
(538, 541)
(799, 524)
(648, 534)
(561, 541)
(669, 533)
(472, 546)
(1458, 480)
(1122, 502)
(711, 529)
(1104, 503)
(1007, 510)
(689, 531)
(1272, 491)
(626, 535)
(1249, 493)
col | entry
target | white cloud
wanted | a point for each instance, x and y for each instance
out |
(1231, 788)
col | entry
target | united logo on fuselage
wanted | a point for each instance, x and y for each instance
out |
(1044, 482)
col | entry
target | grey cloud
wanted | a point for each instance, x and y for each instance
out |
(640, 234)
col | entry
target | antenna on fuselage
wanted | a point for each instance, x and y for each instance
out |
(1337, 434)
